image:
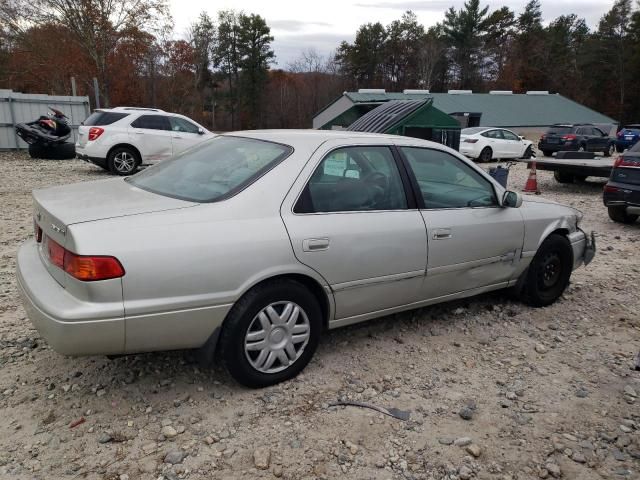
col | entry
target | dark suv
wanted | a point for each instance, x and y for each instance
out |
(622, 191)
(580, 137)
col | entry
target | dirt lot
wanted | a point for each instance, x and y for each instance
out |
(548, 393)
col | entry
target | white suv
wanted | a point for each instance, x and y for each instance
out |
(123, 138)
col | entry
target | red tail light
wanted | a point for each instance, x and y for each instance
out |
(568, 137)
(95, 132)
(87, 268)
(542, 137)
(627, 162)
(470, 140)
(610, 189)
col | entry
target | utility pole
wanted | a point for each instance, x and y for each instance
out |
(96, 92)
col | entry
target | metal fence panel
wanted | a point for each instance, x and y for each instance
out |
(24, 107)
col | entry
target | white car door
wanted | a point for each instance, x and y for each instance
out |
(349, 219)
(514, 144)
(473, 242)
(151, 135)
(185, 134)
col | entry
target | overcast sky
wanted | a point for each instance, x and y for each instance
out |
(323, 24)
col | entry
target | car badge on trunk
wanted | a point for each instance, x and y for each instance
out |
(58, 229)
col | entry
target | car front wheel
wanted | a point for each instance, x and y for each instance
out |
(549, 272)
(271, 333)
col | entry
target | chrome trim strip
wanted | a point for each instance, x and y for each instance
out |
(397, 277)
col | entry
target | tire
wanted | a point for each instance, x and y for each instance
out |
(609, 150)
(619, 149)
(620, 215)
(249, 366)
(528, 153)
(562, 177)
(579, 178)
(59, 151)
(549, 272)
(485, 155)
(123, 161)
(582, 148)
(547, 153)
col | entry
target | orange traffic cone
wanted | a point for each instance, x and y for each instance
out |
(532, 182)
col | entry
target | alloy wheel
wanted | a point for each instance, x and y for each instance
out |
(276, 337)
(551, 268)
(124, 162)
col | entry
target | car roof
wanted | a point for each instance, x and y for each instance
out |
(299, 137)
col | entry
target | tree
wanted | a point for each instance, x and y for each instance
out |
(500, 32)
(363, 61)
(256, 55)
(465, 31)
(402, 49)
(227, 57)
(98, 26)
(203, 40)
(528, 54)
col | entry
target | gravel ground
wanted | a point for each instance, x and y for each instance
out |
(495, 390)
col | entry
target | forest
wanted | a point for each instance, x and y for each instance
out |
(223, 74)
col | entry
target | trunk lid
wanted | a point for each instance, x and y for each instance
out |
(57, 208)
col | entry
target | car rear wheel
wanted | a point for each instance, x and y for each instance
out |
(620, 215)
(582, 148)
(619, 149)
(609, 150)
(271, 333)
(547, 153)
(549, 272)
(563, 177)
(485, 155)
(123, 161)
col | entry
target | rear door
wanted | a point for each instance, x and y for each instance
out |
(600, 139)
(350, 219)
(184, 134)
(494, 140)
(151, 134)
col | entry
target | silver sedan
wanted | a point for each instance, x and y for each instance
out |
(253, 243)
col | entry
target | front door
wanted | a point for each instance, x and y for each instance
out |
(151, 134)
(513, 144)
(473, 242)
(184, 134)
(349, 219)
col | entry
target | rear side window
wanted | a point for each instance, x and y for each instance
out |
(354, 179)
(100, 119)
(151, 122)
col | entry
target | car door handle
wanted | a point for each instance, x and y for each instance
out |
(315, 244)
(442, 233)
(138, 132)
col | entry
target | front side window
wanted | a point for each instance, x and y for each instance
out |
(151, 122)
(447, 182)
(354, 179)
(181, 125)
(212, 171)
(509, 136)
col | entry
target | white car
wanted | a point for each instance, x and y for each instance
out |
(486, 143)
(123, 138)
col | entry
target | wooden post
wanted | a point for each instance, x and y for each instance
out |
(73, 87)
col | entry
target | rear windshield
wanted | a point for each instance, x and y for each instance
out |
(212, 171)
(559, 130)
(97, 119)
(472, 130)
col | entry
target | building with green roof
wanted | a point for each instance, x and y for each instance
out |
(527, 114)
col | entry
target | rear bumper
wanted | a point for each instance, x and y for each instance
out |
(557, 147)
(100, 161)
(55, 313)
(625, 143)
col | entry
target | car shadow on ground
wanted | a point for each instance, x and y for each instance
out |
(155, 371)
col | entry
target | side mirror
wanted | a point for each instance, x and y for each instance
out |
(511, 199)
(521, 137)
(201, 131)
